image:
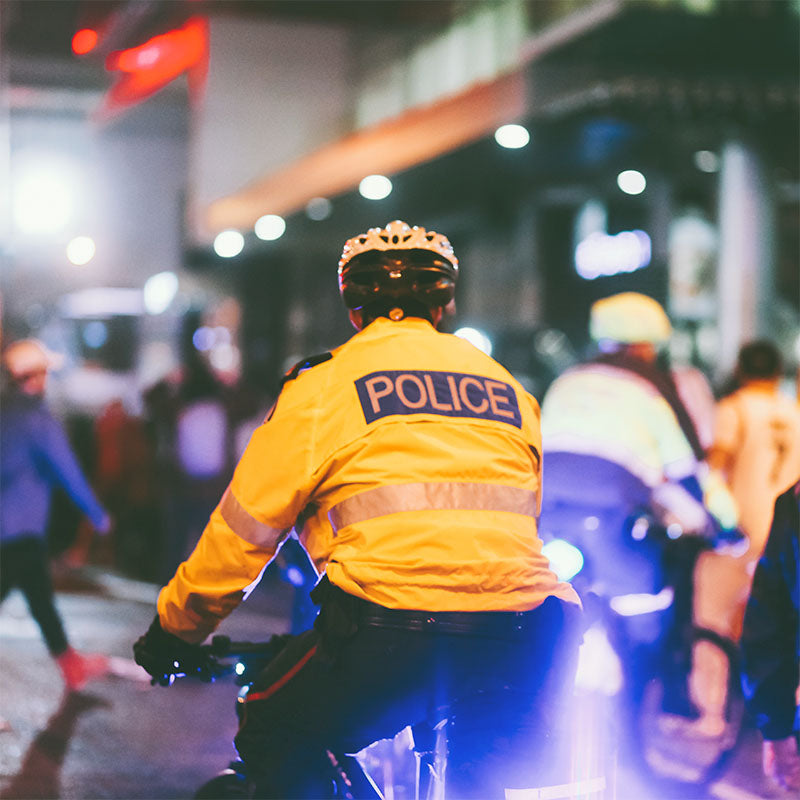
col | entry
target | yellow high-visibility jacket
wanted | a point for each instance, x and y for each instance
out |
(409, 465)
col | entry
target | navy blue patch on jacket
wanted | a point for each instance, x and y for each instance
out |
(450, 394)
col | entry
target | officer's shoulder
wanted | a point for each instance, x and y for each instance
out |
(305, 364)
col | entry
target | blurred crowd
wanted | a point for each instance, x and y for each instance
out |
(160, 473)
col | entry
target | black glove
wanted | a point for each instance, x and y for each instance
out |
(164, 656)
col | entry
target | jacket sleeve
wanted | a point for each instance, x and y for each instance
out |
(270, 488)
(58, 461)
(769, 644)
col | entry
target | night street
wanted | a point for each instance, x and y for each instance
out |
(122, 738)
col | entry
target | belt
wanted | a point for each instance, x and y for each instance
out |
(475, 623)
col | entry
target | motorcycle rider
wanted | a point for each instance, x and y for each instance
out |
(408, 463)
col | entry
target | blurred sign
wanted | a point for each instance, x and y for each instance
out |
(148, 68)
(603, 254)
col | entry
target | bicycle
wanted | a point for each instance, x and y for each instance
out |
(637, 652)
(412, 765)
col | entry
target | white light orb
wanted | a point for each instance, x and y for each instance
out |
(43, 200)
(631, 181)
(375, 187)
(81, 250)
(228, 244)
(159, 292)
(512, 136)
(477, 338)
(270, 227)
(566, 560)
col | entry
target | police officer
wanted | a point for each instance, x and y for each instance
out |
(619, 440)
(620, 446)
(408, 463)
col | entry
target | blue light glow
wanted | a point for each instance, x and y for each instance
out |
(95, 334)
(295, 576)
(203, 338)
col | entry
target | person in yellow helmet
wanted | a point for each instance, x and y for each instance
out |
(408, 463)
(621, 418)
(620, 445)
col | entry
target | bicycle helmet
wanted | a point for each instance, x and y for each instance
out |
(397, 266)
(629, 318)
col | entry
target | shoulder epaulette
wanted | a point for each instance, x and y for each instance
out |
(304, 364)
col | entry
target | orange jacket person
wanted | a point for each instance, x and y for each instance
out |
(409, 464)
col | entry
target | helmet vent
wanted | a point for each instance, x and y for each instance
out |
(400, 235)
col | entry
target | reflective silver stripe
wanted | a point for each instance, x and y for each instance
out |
(385, 500)
(248, 527)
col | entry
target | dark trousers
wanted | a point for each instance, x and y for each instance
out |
(362, 675)
(24, 565)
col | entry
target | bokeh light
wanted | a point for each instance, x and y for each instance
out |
(706, 161)
(270, 227)
(84, 41)
(631, 181)
(228, 244)
(319, 208)
(375, 187)
(159, 292)
(477, 338)
(43, 198)
(512, 136)
(81, 250)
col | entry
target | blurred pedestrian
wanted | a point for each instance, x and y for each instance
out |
(201, 457)
(757, 439)
(756, 448)
(771, 643)
(35, 458)
(125, 480)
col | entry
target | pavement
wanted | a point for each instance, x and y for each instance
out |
(123, 738)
